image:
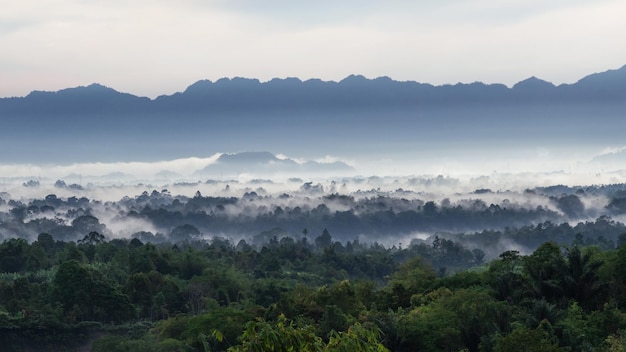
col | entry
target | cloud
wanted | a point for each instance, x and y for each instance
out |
(138, 170)
(153, 48)
(328, 159)
(610, 151)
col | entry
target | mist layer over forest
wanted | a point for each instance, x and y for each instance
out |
(252, 201)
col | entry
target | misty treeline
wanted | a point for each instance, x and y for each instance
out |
(493, 221)
(301, 295)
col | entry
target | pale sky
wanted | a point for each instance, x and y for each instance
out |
(155, 47)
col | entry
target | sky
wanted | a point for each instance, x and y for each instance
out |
(150, 48)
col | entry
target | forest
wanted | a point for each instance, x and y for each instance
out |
(318, 268)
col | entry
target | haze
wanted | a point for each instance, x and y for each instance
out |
(150, 48)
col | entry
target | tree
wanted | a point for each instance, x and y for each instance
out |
(324, 240)
(85, 295)
(546, 269)
(614, 272)
(616, 342)
(92, 238)
(413, 277)
(430, 208)
(357, 338)
(282, 336)
(71, 287)
(72, 252)
(582, 281)
(14, 255)
(86, 224)
(139, 291)
(526, 340)
(285, 336)
(576, 330)
(37, 258)
(184, 233)
(479, 256)
(571, 206)
(505, 276)
(477, 314)
(47, 242)
(429, 328)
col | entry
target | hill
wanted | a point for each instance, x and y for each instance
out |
(264, 163)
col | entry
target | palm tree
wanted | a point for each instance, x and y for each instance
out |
(582, 282)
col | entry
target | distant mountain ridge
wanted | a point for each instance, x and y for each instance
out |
(354, 116)
(260, 163)
(355, 91)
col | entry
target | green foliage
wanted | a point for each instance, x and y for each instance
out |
(291, 296)
(146, 344)
(582, 282)
(576, 329)
(108, 344)
(324, 240)
(284, 335)
(413, 277)
(229, 321)
(356, 338)
(281, 336)
(478, 314)
(527, 340)
(546, 268)
(333, 319)
(616, 342)
(14, 255)
(428, 328)
(85, 295)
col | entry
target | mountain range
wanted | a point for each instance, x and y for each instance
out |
(353, 92)
(310, 118)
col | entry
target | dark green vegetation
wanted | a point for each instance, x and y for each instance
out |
(311, 295)
(310, 282)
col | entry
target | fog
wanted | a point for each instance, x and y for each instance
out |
(499, 167)
(170, 200)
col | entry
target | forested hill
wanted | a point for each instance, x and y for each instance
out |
(353, 92)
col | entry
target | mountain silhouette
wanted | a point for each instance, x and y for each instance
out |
(251, 158)
(94, 98)
(533, 84)
(310, 117)
(260, 163)
(608, 84)
(353, 92)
